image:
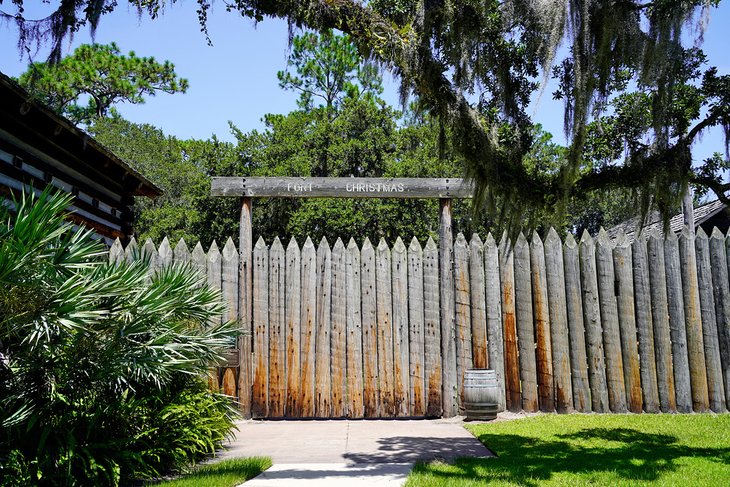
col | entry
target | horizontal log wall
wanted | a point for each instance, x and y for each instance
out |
(348, 331)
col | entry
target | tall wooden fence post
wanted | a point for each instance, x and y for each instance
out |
(448, 331)
(245, 281)
(525, 327)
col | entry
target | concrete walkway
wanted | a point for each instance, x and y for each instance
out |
(358, 452)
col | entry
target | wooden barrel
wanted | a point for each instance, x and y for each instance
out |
(481, 394)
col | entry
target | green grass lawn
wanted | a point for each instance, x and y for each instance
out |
(227, 473)
(611, 450)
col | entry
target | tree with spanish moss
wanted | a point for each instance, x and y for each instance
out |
(477, 65)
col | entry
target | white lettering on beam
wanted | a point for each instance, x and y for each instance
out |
(299, 187)
(374, 188)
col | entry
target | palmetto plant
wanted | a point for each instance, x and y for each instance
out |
(92, 354)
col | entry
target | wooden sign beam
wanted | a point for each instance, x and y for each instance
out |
(296, 187)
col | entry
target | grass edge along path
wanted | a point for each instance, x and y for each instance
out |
(226, 473)
(592, 449)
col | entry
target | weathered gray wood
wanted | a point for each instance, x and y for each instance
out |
(555, 277)
(576, 328)
(450, 396)
(371, 392)
(150, 252)
(181, 255)
(715, 386)
(199, 260)
(609, 322)
(260, 403)
(495, 335)
(277, 329)
(401, 370)
(116, 252)
(214, 269)
(308, 340)
(593, 327)
(165, 253)
(477, 294)
(693, 322)
(721, 289)
(677, 329)
(339, 331)
(623, 272)
(462, 313)
(540, 308)
(323, 353)
(385, 329)
(432, 329)
(131, 253)
(229, 279)
(301, 187)
(416, 330)
(245, 280)
(293, 329)
(645, 330)
(525, 330)
(355, 407)
(511, 362)
(660, 319)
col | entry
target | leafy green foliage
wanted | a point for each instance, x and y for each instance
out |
(104, 76)
(96, 358)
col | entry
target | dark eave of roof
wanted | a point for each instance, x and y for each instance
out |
(34, 119)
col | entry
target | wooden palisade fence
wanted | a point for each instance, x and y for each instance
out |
(376, 331)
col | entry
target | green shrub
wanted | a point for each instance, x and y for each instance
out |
(100, 364)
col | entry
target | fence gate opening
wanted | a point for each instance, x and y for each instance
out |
(354, 330)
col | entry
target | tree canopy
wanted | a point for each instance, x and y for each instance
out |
(476, 65)
(102, 74)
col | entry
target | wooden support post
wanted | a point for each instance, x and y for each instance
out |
(245, 247)
(448, 332)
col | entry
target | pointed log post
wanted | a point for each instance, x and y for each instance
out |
(448, 317)
(555, 275)
(150, 252)
(245, 281)
(677, 328)
(116, 252)
(165, 253)
(462, 313)
(622, 268)
(511, 362)
(645, 330)
(384, 293)
(308, 329)
(215, 278)
(355, 408)
(660, 319)
(540, 306)
(416, 329)
(260, 404)
(480, 357)
(576, 328)
(131, 252)
(339, 331)
(229, 288)
(371, 392)
(525, 327)
(199, 260)
(721, 289)
(715, 387)
(323, 352)
(401, 387)
(432, 327)
(181, 255)
(293, 329)
(495, 331)
(277, 330)
(593, 327)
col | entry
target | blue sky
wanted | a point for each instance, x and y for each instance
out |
(235, 79)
